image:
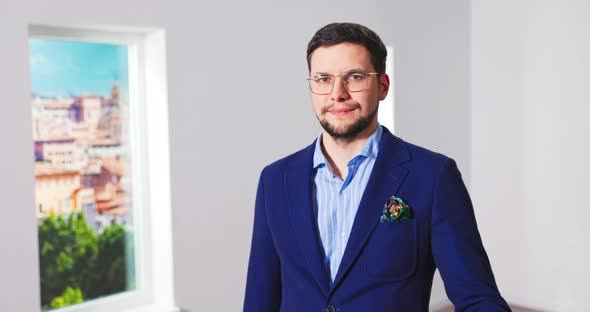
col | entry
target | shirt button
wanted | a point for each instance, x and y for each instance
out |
(330, 308)
(342, 234)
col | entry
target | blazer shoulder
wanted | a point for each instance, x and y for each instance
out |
(298, 158)
(427, 159)
(397, 150)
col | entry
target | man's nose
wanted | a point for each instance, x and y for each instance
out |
(339, 92)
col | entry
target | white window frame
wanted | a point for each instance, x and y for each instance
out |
(150, 161)
(386, 113)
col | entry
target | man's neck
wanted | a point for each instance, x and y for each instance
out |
(340, 152)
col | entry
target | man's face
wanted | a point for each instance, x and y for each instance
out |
(344, 114)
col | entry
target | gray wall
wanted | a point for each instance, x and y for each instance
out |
(530, 108)
(225, 122)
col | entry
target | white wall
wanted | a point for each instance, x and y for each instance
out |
(225, 123)
(530, 159)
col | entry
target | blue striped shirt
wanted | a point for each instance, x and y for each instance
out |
(337, 201)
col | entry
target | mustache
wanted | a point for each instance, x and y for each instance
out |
(352, 106)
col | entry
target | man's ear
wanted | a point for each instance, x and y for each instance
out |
(384, 86)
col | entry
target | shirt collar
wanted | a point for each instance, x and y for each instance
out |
(369, 150)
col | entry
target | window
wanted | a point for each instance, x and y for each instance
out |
(94, 92)
(387, 108)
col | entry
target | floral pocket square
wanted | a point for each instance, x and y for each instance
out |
(396, 209)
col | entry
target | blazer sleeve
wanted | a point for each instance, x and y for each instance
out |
(263, 285)
(457, 247)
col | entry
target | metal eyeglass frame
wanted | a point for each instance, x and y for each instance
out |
(342, 80)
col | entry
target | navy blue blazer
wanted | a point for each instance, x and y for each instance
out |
(386, 266)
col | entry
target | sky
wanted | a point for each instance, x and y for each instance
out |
(70, 68)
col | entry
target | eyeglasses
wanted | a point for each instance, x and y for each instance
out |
(354, 81)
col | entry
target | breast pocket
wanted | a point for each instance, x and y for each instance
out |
(392, 251)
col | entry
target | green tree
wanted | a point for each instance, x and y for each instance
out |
(110, 263)
(68, 246)
(69, 297)
(73, 256)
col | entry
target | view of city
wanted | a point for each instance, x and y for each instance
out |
(82, 170)
(80, 163)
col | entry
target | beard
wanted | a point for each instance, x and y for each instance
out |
(348, 133)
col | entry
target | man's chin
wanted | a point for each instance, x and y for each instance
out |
(342, 131)
(339, 128)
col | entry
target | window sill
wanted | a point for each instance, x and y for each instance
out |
(153, 308)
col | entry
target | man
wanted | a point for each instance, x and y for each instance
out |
(359, 220)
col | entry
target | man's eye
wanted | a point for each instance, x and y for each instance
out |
(356, 77)
(323, 79)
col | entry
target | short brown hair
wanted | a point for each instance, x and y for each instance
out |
(336, 33)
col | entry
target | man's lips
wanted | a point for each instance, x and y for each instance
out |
(340, 111)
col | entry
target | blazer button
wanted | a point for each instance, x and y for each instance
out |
(330, 308)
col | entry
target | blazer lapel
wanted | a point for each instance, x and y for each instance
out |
(299, 183)
(385, 180)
